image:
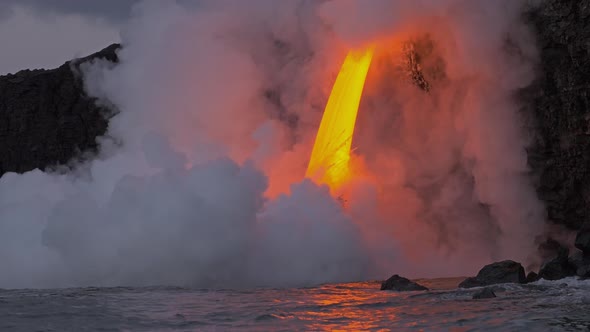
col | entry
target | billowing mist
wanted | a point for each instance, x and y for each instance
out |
(199, 181)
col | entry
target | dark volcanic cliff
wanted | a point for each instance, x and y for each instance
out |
(559, 103)
(46, 119)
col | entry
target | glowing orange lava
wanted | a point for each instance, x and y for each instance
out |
(329, 162)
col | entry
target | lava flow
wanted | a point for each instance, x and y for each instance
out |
(329, 162)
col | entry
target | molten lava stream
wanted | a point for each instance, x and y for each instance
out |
(329, 162)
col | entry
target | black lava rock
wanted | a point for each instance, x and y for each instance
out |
(531, 277)
(583, 239)
(580, 262)
(550, 249)
(401, 284)
(486, 293)
(46, 117)
(496, 273)
(470, 283)
(584, 272)
(558, 267)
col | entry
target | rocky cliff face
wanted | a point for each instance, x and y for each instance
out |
(46, 118)
(559, 103)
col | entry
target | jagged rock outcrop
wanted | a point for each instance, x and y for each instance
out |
(46, 118)
(496, 273)
(401, 284)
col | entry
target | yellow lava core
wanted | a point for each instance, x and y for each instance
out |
(329, 162)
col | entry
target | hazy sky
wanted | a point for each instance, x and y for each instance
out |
(46, 33)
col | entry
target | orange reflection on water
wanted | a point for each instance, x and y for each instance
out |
(344, 307)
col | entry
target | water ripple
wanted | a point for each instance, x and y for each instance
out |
(542, 306)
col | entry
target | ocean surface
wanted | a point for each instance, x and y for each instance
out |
(543, 306)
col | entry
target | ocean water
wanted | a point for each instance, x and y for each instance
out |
(542, 306)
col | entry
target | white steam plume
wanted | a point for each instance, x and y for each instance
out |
(459, 190)
(218, 108)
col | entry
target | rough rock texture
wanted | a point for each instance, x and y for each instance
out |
(559, 104)
(46, 118)
(496, 273)
(486, 293)
(401, 284)
(558, 267)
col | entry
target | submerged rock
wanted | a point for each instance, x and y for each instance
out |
(497, 273)
(486, 293)
(583, 239)
(401, 284)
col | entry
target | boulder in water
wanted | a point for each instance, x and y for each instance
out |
(531, 277)
(558, 267)
(497, 273)
(550, 249)
(584, 272)
(583, 239)
(580, 262)
(401, 284)
(470, 283)
(486, 293)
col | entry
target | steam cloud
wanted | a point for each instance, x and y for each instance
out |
(112, 10)
(199, 180)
